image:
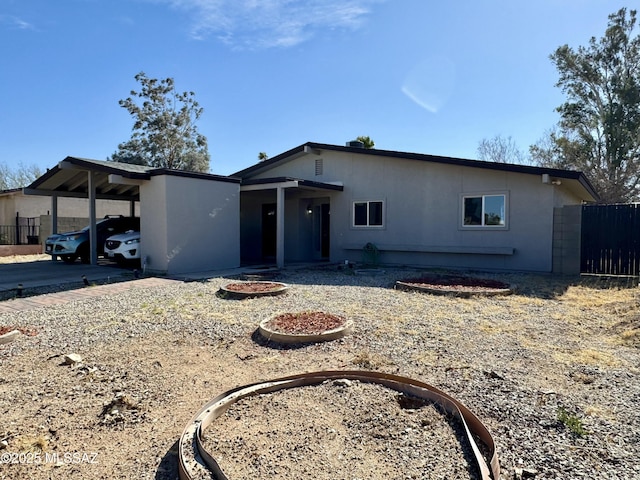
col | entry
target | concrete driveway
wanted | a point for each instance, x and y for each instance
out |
(44, 273)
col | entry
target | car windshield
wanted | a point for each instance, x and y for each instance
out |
(86, 229)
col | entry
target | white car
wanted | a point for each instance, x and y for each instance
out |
(124, 247)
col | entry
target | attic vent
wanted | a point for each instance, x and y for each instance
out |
(355, 144)
(318, 166)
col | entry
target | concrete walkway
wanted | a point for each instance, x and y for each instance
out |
(42, 273)
(48, 299)
(109, 280)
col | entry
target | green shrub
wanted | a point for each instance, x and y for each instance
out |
(572, 422)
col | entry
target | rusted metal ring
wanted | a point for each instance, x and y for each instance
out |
(195, 461)
(9, 336)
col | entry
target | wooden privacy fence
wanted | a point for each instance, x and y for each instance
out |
(610, 243)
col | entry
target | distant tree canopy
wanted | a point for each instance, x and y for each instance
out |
(598, 131)
(164, 131)
(262, 156)
(18, 177)
(501, 150)
(368, 143)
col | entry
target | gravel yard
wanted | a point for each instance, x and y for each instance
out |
(552, 371)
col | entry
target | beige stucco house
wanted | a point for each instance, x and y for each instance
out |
(331, 201)
(320, 202)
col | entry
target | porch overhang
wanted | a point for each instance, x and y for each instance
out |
(287, 182)
(280, 185)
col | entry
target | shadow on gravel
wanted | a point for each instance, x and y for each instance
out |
(168, 468)
(263, 342)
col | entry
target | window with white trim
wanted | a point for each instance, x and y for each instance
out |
(368, 213)
(484, 211)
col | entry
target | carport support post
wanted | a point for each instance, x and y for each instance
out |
(54, 219)
(280, 227)
(93, 234)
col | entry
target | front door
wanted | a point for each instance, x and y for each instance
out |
(269, 231)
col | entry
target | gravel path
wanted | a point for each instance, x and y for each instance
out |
(552, 371)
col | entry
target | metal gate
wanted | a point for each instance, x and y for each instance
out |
(25, 231)
(610, 243)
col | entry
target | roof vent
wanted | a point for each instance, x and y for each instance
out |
(355, 144)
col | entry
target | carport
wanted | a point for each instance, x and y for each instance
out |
(91, 179)
(189, 221)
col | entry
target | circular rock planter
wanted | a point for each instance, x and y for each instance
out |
(304, 327)
(239, 290)
(459, 286)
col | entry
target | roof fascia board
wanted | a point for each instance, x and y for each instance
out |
(316, 149)
(43, 178)
(189, 174)
(311, 185)
(55, 193)
(269, 186)
(268, 164)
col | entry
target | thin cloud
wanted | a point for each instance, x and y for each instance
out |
(15, 22)
(259, 24)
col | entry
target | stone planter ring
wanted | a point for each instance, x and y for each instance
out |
(304, 327)
(240, 290)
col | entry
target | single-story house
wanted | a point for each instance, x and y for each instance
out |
(327, 202)
(320, 202)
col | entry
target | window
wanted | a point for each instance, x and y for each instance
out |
(367, 214)
(484, 211)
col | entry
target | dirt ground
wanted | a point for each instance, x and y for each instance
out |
(151, 359)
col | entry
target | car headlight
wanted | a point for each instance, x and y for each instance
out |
(132, 241)
(69, 238)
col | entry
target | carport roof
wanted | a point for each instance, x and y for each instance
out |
(112, 180)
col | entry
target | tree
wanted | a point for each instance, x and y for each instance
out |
(368, 143)
(20, 177)
(599, 123)
(262, 156)
(500, 150)
(164, 131)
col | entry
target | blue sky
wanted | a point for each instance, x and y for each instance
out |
(414, 75)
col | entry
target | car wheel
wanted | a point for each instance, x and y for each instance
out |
(68, 258)
(83, 251)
